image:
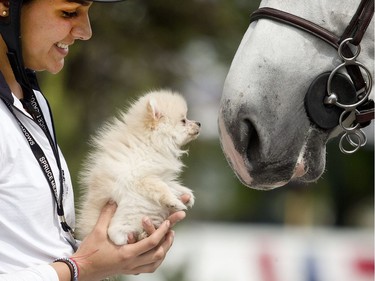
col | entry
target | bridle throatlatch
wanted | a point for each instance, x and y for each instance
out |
(359, 110)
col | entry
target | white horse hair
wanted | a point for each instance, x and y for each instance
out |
(265, 132)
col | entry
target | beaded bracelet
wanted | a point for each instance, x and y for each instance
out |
(73, 267)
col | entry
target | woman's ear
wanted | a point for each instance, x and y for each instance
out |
(4, 8)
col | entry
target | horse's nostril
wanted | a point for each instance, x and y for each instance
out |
(252, 139)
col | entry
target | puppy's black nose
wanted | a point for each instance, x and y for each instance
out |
(198, 124)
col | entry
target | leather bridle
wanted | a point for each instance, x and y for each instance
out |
(353, 34)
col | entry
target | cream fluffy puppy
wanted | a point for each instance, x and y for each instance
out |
(135, 162)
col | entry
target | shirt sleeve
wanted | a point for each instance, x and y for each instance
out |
(37, 273)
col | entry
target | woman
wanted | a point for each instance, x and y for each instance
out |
(36, 197)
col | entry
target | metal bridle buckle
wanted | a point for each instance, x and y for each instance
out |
(353, 134)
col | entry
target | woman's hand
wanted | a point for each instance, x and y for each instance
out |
(98, 257)
(173, 218)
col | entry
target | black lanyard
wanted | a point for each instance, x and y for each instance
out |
(35, 111)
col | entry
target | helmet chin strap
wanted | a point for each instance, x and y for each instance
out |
(11, 33)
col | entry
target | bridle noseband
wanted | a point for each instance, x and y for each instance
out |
(363, 107)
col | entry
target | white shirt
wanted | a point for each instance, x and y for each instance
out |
(30, 233)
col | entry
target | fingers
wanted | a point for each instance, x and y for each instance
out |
(154, 239)
(176, 217)
(173, 218)
(152, 259)
(131, 238)
(106, 215)
(185, 198)
(167, 244)
(148, 226)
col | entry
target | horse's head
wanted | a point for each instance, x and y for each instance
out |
(265, 131)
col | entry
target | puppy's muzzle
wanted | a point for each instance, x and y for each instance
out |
(194, 128)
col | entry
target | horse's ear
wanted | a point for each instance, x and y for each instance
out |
(153, 109)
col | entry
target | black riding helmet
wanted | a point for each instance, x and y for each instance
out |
(10, 31)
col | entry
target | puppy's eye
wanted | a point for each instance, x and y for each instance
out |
(183, 121)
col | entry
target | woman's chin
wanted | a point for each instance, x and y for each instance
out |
(56, 68)
(52, 68)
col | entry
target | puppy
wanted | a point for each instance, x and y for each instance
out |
(135, 162)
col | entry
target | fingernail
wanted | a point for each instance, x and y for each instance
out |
(130, 236)
(168, 223)
(147, 221)
(111, 202)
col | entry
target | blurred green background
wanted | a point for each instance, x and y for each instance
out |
(140, 45)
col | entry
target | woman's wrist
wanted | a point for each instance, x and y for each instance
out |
(62, 270)
(72, 266)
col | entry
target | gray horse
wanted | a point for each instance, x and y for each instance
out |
(265, 130)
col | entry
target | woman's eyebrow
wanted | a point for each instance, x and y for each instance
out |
(81, 2)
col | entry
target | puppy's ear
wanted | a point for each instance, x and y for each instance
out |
(153, 113)
(153, 109)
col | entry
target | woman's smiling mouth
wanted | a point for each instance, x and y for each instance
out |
(62, 48)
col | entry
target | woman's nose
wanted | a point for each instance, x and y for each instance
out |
(82, 29)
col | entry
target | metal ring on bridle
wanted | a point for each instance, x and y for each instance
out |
(348, 138)
(362, 139)
(343, 116)
(346, 59)
(353, 135)
(367, 90)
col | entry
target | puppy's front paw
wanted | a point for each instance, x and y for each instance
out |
(191, 201)
(118, 235)
(180, 190)
(175, 205)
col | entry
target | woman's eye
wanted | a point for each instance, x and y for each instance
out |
(69, 14)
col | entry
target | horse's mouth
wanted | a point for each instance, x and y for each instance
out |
(258, 172)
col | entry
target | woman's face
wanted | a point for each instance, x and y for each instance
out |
(48, 28)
